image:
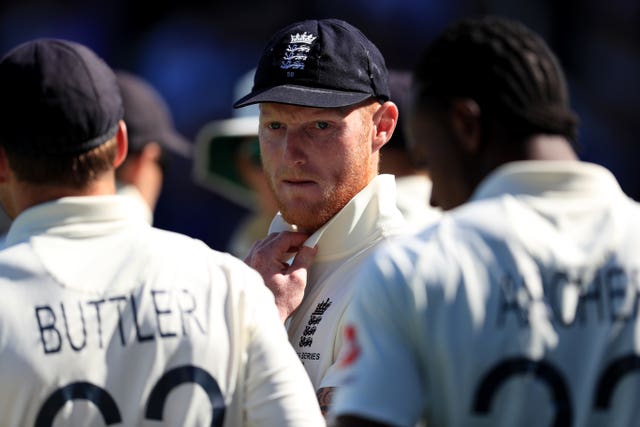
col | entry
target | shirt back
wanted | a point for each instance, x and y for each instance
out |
(520, 308)
(118, 323)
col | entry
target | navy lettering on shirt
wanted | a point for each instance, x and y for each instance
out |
(610, 294)
(81, 324)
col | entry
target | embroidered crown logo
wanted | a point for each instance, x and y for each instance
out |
(302, 38)
(295, 55)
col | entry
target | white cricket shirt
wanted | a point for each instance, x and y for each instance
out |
(138, 202)
(315, 328)
(413, 199)
(519, 308)
(106, 320)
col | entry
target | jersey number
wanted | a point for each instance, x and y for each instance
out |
(155, 404)
(549, 375)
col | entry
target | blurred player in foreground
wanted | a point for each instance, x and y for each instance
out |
(519, 308)
(105, 320)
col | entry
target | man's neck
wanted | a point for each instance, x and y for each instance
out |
(29, 194)
(536, 147)
(549, 147)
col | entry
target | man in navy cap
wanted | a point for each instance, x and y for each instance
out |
(325, 112)
(105, 320)
(152, 139)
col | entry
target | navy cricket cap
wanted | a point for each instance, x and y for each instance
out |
(324, 63)
(58, 98)
(148, 117)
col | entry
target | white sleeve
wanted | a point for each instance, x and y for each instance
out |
(278, 390)
(379, 377)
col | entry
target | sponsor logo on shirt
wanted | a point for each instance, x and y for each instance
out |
(351, 344)
(308, 356)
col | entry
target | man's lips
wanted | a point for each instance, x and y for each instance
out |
(297, 181)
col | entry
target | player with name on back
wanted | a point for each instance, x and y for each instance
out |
(520, 307)
(105, 320)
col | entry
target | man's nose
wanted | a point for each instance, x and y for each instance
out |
(295, 147)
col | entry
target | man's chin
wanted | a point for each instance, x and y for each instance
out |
(307, 223)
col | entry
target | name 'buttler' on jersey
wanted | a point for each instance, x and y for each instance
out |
(105, 320)
(520, 308)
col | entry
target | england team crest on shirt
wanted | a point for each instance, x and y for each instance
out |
(310, 329)
(296, 52)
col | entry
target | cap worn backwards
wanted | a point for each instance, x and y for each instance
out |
(59, 98)
(319, 63)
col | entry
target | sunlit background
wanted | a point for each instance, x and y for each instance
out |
(193, 52)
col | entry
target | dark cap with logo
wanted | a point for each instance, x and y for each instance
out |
(58, 98)
(324, 63)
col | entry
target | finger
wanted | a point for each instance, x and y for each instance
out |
(304, 258)
(248, 259)
(283, 244)
(286, 241)
(272, 254)
(273, 242)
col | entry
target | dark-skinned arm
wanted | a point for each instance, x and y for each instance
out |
(325, 396)
(355, 421)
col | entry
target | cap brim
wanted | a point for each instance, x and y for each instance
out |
(177, 144)
(303, 96)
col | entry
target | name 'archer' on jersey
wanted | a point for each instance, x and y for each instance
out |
(611, 294)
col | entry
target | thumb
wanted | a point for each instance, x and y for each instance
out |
(304, 258)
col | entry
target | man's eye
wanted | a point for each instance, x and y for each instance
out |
(322, 125)
(274, 125)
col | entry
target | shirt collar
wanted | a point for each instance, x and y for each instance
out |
(74, 217)
(372, 211)
(556, 178)
(132, 191)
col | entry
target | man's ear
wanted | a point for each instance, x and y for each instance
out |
(151, 152)
(465, 118)
(123, 144)
(384, 123)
